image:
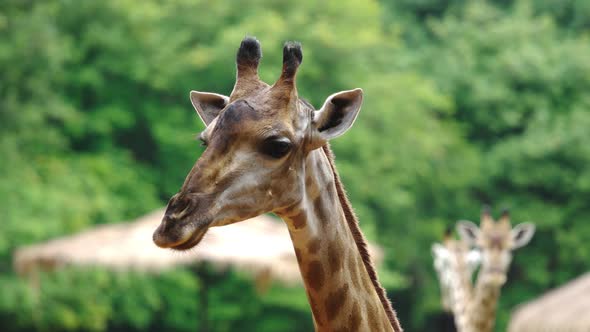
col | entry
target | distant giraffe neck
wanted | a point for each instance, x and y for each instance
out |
(338, 282)
(474, 310)
(460, 290)
(483, 307)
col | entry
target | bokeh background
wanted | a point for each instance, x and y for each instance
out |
(466, 103)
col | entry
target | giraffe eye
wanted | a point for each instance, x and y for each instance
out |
(276, 147)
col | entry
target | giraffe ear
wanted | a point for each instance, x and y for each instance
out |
(208, 105)
(522, 234)
(468, 231)
(336, 116)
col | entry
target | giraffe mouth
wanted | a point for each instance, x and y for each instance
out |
(180, 235)
(192, 241)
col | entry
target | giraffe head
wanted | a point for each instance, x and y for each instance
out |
(257, 140)
(452, 257)
(496, 240)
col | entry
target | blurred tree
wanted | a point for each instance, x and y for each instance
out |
(519, 84)
(466, 102)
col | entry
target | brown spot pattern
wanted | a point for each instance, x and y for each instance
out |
(314, 246)
(308, 181)
(317, 314)
(315, 275)
(335, 301)
(481, 325)
(334, 257)
(298, 220)
(355, 318)
(331, 192)
(320, 210)
(361, 242)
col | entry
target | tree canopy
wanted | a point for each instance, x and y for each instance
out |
(466, 103)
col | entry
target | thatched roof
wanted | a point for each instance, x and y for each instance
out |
(260, 245)
(566, 308)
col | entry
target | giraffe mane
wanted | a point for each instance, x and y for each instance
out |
(360, 241)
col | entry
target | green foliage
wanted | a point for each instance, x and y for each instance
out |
(519, 85)
(63, 300)
(466, 102)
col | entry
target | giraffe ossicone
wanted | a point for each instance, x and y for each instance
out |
(267, 151)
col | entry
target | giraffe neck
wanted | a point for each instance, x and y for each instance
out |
(483, 307)
(340, 289)
(460, 292)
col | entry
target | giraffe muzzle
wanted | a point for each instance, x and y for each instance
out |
(182, 226)
(179, 234)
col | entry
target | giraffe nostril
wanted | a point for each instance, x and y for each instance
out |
(178, 207)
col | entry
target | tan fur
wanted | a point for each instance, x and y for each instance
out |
(361, 242)
(340, 290)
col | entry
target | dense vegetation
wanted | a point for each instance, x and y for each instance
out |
(466, 102)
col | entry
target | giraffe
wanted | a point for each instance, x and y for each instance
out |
(453, 256)
(496, 240)
(454, 264)
(266, 151)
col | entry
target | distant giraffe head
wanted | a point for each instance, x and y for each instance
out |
(496, 240)
(257, 140)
